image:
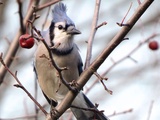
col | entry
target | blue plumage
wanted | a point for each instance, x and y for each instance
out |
(59, 14)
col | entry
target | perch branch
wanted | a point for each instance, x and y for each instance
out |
(87, 73)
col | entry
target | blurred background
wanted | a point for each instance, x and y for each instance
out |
(134, 80)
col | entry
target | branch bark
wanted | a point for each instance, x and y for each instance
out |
(65, 104)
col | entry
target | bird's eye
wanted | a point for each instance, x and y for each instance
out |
(60, 27)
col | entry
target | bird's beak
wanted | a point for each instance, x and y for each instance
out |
(72, 30)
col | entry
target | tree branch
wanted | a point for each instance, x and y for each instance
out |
(122, 59)
(21, 16)
(65, 104)
(47, 4)
(14, 45)
(19, 85)
(92, 34)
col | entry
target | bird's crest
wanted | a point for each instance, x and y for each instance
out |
(59, 14)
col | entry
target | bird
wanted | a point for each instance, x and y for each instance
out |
(61, 32)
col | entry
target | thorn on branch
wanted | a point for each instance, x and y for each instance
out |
(102, 24)
(125, 38)
(18, 86)
(121, 24)
(16, 73)
(86, 41)
(96, 105)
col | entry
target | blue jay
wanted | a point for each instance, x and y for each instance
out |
(61, 31)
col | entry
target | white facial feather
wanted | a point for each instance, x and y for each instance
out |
(61, 37)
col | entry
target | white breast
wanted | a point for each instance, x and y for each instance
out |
(48, 76)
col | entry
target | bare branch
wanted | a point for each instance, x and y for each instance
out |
(122, 23)
(21, 16)
(92, 34)
(14, 45)
(102, 24)
(47, 4)
(20, 85)
(43, 25)
(100, 59)
(101, 80)
(119, 113)
(122, 59)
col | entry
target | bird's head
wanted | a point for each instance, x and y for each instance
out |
(62, 28)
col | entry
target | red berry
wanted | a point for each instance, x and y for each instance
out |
(26, 41)
(153, 45)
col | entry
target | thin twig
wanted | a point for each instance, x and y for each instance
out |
(15, 44)
(122, 23)
(119, 113)
(19, 85)
(21, 16)
(102, 24)
(92, 34)
(101, 80)
(43, 25)
(122, 59)
(47, 4)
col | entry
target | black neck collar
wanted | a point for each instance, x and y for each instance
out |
(59, 52)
